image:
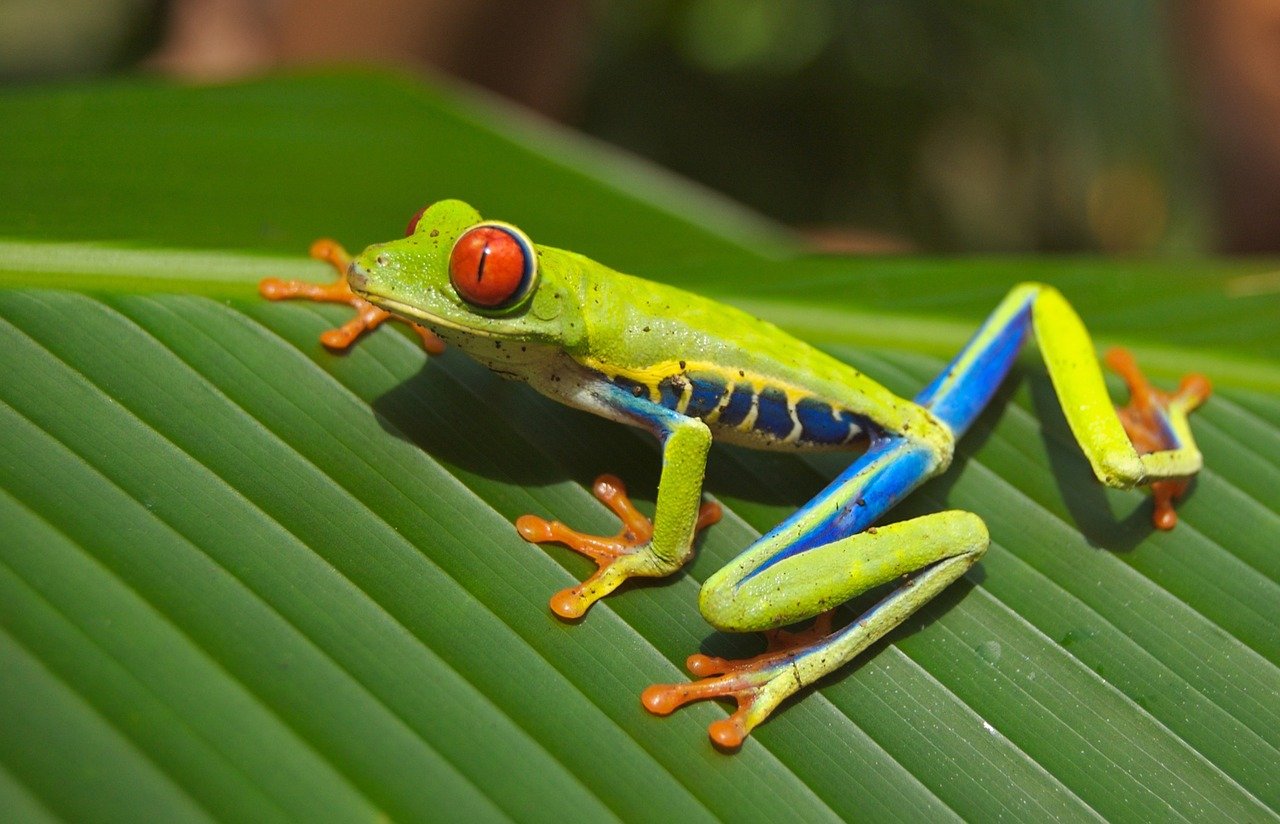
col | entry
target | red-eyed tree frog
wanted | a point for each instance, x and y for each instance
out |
(689, 369)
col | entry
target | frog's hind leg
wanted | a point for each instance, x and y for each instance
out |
(933, 551)
(1147, 443)
(829, 551)
(822, 556)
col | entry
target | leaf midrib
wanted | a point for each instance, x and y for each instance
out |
(223, 275)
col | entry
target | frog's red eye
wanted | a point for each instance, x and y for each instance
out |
(492, 265)
(413, 222)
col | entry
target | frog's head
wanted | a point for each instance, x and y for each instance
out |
(465, 277)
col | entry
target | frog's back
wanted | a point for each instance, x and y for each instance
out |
(751, 382)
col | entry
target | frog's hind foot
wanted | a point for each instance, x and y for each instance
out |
(368, 317)
(1152, 418)
(617, 557)
(758, 684)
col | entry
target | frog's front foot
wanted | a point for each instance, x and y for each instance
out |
(618, 557)
(1152, 418)
(758, 684)
(368, 317)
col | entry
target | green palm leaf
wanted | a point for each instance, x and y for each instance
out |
(244, 578)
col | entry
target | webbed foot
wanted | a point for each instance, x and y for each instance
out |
(618, 557)
(368, 317)
(1151, 419)
(758, 684)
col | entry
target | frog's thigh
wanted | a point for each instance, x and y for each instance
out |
(940, 547)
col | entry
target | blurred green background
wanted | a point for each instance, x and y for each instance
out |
(1115, 126)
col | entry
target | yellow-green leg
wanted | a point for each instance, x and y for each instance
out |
(643, 548)
(931, 552)
(829, 552)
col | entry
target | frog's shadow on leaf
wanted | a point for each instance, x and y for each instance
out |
(461, 414)
(458, 414)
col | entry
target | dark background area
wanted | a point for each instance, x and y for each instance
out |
(1115, 126)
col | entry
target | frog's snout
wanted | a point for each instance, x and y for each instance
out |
(356, 278)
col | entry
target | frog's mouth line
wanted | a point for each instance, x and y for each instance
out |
(416, 315)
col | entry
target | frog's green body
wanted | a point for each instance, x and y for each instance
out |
(635, 332)
(690, 369)
(705, 353)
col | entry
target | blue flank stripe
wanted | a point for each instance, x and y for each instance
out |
(735, 411)
(669, 392)
(819, 424)
(620, 395)
(706, 395)
(774, 413)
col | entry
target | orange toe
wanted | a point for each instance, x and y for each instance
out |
(1145, 420)
(367, 318)
(743, 681)
(608, 551)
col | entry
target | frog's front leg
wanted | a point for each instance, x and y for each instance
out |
(367, 318)
(642, 548)
(822, 556)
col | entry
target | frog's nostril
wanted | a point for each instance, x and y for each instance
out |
(381, 260)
